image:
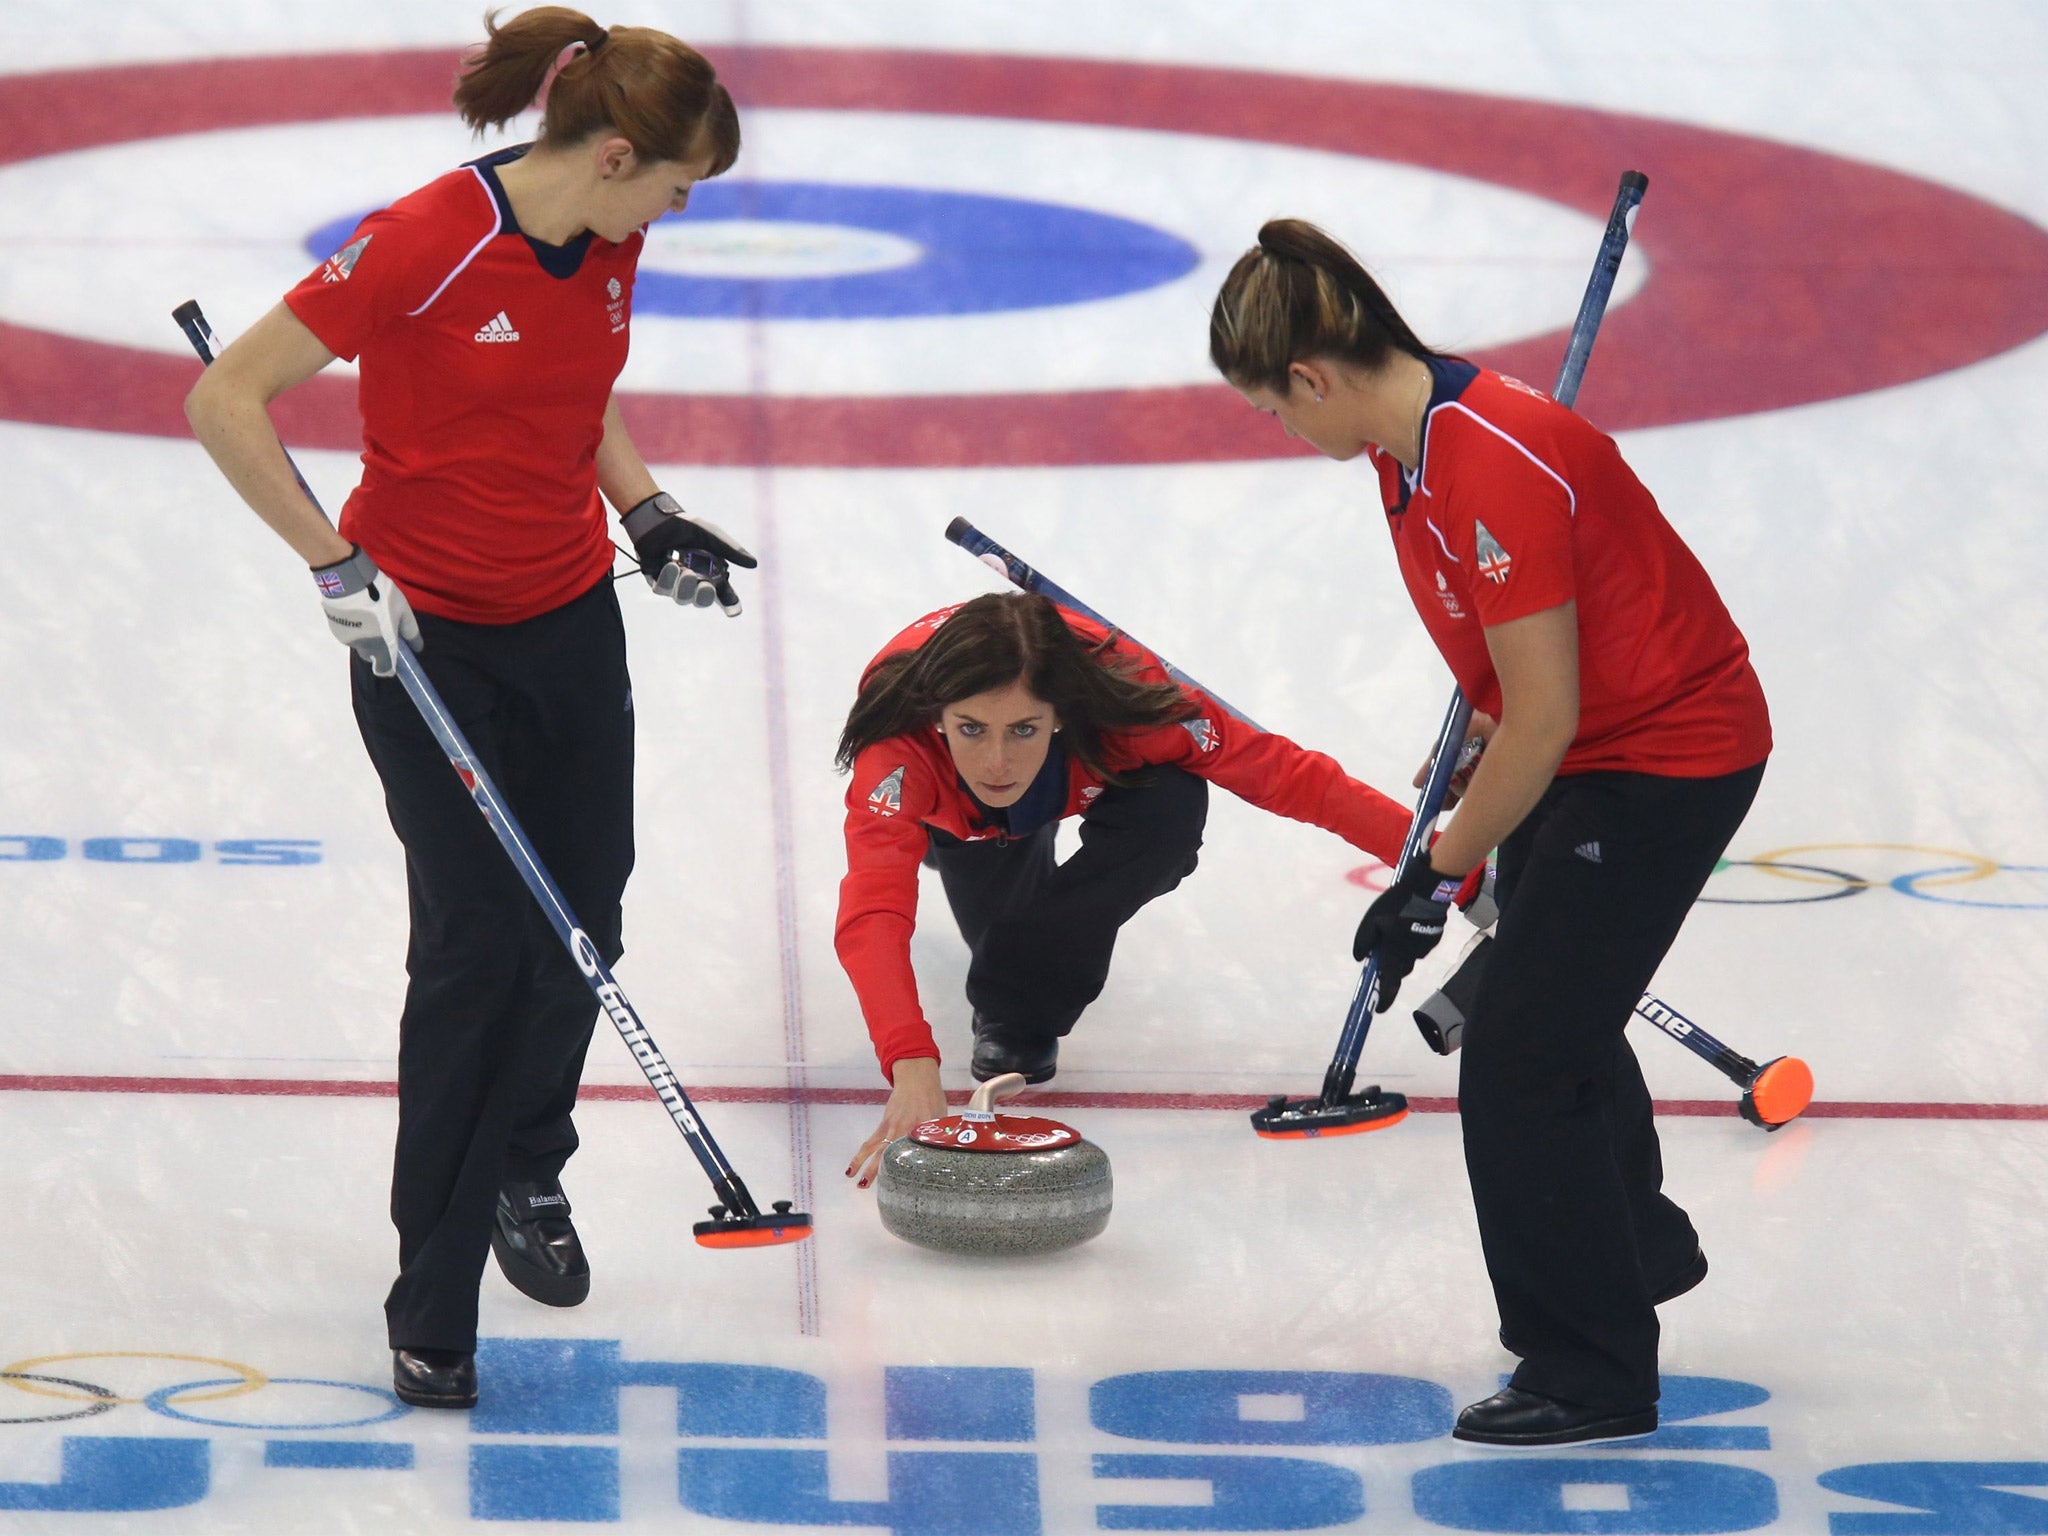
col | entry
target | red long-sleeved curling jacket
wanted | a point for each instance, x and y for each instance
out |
(907, 784)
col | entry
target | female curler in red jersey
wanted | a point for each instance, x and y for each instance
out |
(1626, 736)
(976, 731)
(490, 311)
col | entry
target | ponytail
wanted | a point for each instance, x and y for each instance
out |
(1299, 294)
(658, 94)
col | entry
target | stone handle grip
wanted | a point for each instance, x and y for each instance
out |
(1008, 1086)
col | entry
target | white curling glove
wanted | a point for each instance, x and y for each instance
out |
(366, 611)
(684, 558)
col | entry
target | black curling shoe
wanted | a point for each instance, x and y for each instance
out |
(1514, 1417)
(434, 1378)
(536, 1245)
(998, 1048)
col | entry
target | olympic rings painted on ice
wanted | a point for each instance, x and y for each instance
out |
(1909, 885)
(1974, 866)
(246, 1379)
(389, 1407)
(101, 1399)
(1835, 884)
(1848, 885)
(1971, 869)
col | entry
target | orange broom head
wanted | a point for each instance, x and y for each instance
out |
(754, 1232)
(1322, 1132)
(1781, 1090)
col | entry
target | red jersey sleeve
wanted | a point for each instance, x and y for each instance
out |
(1507, 517)
(890, 794)
(393, 266)
(1276, 775)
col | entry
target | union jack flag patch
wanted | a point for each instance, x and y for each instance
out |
(1493, 560)
(1204, 732)
(887, 797)
(343, 261)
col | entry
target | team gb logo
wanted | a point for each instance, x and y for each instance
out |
(887, 798)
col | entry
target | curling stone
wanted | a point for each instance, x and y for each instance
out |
(1001, 1185)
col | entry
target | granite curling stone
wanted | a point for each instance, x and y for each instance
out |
(1001, 1185)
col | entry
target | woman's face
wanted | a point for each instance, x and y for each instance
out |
(1306, 411)
(632, 192)
(999, 740)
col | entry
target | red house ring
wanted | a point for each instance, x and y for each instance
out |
(1780, 275)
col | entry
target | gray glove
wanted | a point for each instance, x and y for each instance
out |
(366, 611)
(684, 558)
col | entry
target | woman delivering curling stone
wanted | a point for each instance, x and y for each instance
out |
(489, 310)
(1630, 739)
(977, 730)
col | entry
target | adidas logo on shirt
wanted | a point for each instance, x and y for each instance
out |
(1590, 852)
(497, 328)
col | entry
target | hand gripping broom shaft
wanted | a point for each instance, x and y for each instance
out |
(736, 1221)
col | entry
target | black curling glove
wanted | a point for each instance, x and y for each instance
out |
(1403, 924)
(685, 558)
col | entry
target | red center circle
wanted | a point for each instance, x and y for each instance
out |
(1779, 275)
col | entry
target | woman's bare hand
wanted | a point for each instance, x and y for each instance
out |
(915, 1098)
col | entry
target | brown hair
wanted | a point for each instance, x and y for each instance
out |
(658, 94)
(1299, 294)
(1003, 638)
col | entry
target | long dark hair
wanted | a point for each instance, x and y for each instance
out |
(1003, 638)
(1299, 294)
(656, 92)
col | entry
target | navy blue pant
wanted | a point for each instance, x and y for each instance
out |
(497, 1017)
(1567, 1177)
(1041, 933)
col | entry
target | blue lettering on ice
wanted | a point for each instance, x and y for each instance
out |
(152, 850)
(1247, 1493)
(1699, 1397)
(958, 1403)
(337, 1454)
(571, 1387)
(931, 1493)
(268, 850)
(107, 1473)
(23, 848)
(1957, 1498)
(544, 1482)
(1664, 1498)
(1330, 1408)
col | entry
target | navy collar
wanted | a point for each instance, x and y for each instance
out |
(555, 260)
(1449, 378)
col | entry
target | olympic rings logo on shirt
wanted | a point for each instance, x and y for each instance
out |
(1807, 872)
(178, 1399)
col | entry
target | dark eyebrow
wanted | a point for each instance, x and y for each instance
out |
(1034, 718)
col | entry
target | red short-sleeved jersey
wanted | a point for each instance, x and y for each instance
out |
(1520, 505)
(905, 786)
(484, 384)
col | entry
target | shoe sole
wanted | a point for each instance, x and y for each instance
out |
(1629, 1427)
(547, 1289)
(432, 1399)
(1031, 1079)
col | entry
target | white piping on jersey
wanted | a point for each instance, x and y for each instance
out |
(1571, 497)
(497, 223)
(1442, 543)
